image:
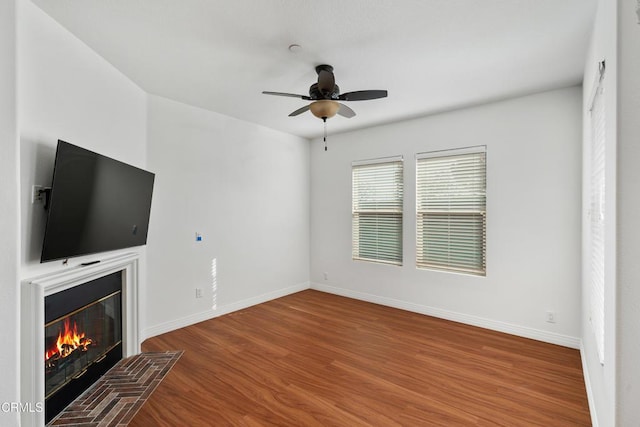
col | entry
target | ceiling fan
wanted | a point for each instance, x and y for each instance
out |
(325, 95)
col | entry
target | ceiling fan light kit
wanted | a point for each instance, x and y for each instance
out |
(325, 95)
(324, 109)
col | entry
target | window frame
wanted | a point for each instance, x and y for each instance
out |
(462, 246)
(597, 212)
(382, 254)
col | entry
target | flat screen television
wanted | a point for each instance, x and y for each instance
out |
(97, 204)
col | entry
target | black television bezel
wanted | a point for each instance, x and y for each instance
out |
(51, 199)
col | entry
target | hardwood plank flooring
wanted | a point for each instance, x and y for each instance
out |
(315, 359)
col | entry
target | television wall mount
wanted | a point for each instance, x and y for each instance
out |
(40, 194)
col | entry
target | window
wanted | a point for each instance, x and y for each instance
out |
(377, 210)
(451, 210)
(597, 218)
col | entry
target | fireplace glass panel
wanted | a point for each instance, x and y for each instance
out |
(79, 339)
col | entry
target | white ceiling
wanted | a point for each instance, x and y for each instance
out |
(431, 55)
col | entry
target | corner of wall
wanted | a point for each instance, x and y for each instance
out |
(9, 210)
(588, 386)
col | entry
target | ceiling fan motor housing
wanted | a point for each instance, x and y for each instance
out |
(314, 92)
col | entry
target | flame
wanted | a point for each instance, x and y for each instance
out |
(67, 342)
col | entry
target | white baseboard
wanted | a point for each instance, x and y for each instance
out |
(536, 334)
(522, 331)
(219, 311)
(587, 384)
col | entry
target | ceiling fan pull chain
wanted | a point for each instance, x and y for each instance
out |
(324, 119)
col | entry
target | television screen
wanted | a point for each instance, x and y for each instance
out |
(97, 204)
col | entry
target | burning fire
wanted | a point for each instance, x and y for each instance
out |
(68, 341)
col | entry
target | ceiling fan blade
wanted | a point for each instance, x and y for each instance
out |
(345, 111)
(292, 95)
(363, 95)
(326, 82)
(300, 111)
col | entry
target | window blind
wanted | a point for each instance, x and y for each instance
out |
(451, 210)
(597, 219)
(377, 199)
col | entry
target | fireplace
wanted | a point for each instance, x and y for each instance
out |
(82, 339)
(76, 323)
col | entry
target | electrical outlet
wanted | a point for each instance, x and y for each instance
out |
(551, 317)
(198, 292)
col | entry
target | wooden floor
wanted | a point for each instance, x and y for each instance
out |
(315, 359)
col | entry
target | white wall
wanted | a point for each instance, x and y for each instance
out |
(68, 92)
(628, 209)
(9, 220)
(245, 188)
(533, 210)
(601, 379)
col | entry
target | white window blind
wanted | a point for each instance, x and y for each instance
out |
(451, 210)
(597, 219)
(377, 210)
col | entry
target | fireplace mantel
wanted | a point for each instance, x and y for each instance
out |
(33, 293)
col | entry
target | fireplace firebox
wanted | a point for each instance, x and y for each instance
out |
(83, 338)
